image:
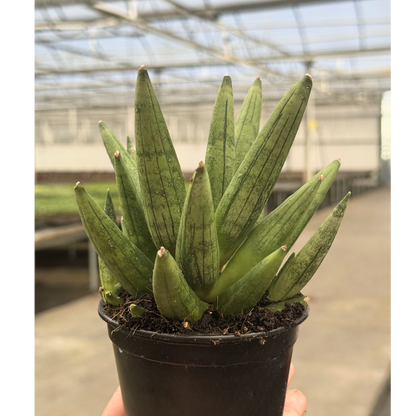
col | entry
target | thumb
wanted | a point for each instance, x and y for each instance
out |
(295, 403)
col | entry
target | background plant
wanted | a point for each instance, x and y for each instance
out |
(211, 244)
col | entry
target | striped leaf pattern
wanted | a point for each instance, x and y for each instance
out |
(197, 251)
(301, 267)
(220, 152)
(247, 125)
(254, 180)
(128, 264)
(110, 286)
(268, 236)
(134, 219)
(161, 180)
(174, 297)
(246, 292)
(224, 251)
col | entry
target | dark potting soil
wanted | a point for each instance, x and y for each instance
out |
(258, 319)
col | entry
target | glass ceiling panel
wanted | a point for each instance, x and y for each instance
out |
(97, 45)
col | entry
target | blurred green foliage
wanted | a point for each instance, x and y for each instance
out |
(59, 198)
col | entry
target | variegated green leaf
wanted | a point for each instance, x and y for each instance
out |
(328, 174)
(161, 180)
(254, 180)
(109, 283)
(246, 292)
(301, 268)
(136, 311)
(112, 145)
(174, 297)
(247, 125)
(130, 147)
(197, 252)
(268, 236)
(279, 306)
(220, 153)
(128, 264)
(134, 219)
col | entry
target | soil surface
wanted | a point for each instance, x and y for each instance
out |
(258, 319)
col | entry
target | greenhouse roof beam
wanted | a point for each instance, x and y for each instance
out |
(213, 51)
(218, 62)
(211, 13)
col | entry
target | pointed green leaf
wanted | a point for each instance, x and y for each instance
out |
(128, 264)
(174, 297)
(246, 292)
(220, 153)
(254, 180)
(328, 174)
(111, 297)
(279, 306)
(109, 207)
(129, 146)
(109, 282)
(247, 125)
(197, 252)
(136, 311)
(294, 276)
(161, 180)
(131, 150)
(112, 145)
(124, 229)
(133, 215)
(268, 236)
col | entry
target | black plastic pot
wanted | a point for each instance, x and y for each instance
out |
(172, 375)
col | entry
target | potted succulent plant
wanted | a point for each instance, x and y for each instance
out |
(201, 314)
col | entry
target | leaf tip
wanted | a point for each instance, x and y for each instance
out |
(226, 80)
(161, 252)
(309, 76)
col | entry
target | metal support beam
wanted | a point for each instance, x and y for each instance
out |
(211, 13)
(213, 51)
(70, 72)
(219, 62)
(229, 29)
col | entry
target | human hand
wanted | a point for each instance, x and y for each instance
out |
(115, 405)
(295, 403)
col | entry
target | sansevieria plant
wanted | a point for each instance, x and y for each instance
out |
(209, 245)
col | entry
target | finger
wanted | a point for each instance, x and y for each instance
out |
(115, 405)
(291, 373)
(295, 403)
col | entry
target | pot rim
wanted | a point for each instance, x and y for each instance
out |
(141, 333)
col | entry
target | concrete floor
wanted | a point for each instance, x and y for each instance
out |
(58, 285)
(342, 356)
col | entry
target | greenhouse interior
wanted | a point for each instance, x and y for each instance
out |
(87, 57)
